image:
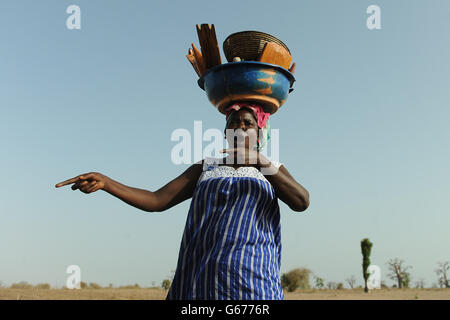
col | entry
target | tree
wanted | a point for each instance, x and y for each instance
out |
(366, 248)
(399, 273)
(420, 284)
(296, 278)
(406, 280)
(331, 285)
(351, 281)
(166, 284)
(441, 271)
(319, 283)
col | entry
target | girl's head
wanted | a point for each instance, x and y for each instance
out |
(245, 128)
(252, 122)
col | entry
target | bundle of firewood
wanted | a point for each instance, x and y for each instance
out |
(209, 55)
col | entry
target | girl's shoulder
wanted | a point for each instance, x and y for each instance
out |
(276, 163)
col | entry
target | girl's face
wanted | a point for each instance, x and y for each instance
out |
(245, 121)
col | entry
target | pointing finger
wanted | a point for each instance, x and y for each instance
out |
(85, 176)
(69, 181)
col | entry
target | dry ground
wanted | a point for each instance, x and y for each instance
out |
(382, 294)
(159, 294)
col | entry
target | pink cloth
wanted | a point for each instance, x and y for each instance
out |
(261, 116)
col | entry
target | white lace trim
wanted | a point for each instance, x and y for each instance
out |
(212, 169)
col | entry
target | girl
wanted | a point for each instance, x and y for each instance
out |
(231, 245)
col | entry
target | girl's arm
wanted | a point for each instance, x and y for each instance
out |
(176, 191)
(287, 188)
(173, 193)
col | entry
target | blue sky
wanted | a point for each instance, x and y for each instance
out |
(365, 131)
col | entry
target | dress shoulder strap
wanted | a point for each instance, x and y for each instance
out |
(210, 163)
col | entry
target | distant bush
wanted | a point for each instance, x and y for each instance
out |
(294, 279)
(340, 286)
(21, 285)
(83, 285)
(165, 284)
(126, 287)
(44, 286)
(135, 286)
(94, 285)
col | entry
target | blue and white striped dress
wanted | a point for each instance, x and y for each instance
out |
(231, 246)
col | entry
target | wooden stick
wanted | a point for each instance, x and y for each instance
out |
(192, 60)
(209, 46)
(292, 69)
(199, 59)
(215, 46)
(203, 45)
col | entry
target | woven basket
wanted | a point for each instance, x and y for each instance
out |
(248, 45)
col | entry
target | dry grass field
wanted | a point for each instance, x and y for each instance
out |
(382, 294)
(159, 294)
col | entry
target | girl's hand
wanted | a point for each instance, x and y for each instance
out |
(87, 182)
